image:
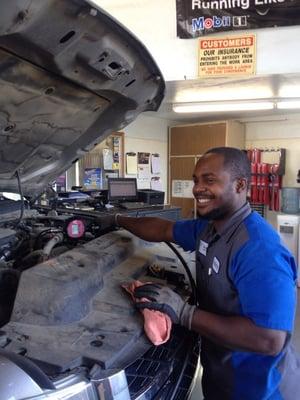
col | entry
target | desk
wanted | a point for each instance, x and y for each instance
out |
(162, 211)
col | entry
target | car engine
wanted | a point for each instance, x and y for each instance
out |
(70, 76)
(62, 302)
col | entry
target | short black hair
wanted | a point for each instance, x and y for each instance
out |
(236, 162)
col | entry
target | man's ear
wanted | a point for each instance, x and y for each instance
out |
(241, 185)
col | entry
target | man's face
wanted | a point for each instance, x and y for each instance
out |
(216, 193)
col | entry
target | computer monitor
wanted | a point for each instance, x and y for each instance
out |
(122, 189)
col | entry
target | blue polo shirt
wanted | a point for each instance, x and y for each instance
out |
(245, 270)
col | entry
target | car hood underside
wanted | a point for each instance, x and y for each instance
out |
(69, 76)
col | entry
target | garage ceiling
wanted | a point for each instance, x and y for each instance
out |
(257, 88)
(276, 53)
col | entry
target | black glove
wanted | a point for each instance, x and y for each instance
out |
(167, 301)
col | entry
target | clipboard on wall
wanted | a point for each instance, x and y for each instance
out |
(131, 163)
(155, 163)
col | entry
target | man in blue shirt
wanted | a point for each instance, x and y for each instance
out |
(246, 285)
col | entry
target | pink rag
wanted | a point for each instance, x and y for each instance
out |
(157, 325)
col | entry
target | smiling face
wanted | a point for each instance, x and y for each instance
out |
(217, 193)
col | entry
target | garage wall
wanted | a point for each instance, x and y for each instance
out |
(151, 134)
(148, 134)
(284, 133)
(278, 134)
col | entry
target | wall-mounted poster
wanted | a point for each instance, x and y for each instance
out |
(227, 56)
(143, 158)
(182, 189)
(92, 178)
(144, 166)
(197, 18)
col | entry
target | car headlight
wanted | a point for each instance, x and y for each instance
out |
(113, 387)
(78, 391)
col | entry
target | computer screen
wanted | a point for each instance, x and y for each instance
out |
(122, 189)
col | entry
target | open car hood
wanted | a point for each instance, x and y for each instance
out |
(69, 76)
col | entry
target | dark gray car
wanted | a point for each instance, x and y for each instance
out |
(69, 76)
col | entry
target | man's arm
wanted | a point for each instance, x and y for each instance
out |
(238, 333)
(147, 228)
(234, 332)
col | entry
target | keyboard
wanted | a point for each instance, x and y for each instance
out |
(133, 205)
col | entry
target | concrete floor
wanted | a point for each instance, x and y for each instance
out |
(197, 392)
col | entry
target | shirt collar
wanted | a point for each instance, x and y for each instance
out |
(235, 220)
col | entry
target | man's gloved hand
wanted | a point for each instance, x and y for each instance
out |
(164, 299)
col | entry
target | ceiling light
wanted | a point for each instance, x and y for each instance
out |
(222, 106)
(233, 92)
(288, 104)
(289, 89)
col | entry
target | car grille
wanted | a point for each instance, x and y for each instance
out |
(165, 371)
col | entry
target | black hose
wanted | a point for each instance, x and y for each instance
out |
(41, 235)
(22, 199)
(185, 266)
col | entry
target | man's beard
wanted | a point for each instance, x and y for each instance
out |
(215, 214)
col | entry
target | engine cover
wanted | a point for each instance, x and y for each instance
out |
(71, 311)
(7, 237)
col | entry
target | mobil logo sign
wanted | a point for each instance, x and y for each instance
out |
(201, 23)
(215, 22)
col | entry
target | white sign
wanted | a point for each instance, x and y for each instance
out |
(156, 183)
(143, 183)
(183, 189)
(143, 171)
(227, 56)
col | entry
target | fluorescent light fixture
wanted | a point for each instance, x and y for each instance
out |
(222, 106)
(288, 104)
(234, 92)
(289, 90)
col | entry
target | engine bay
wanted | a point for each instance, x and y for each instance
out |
(62, 302)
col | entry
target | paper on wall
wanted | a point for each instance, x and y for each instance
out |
(156, 183)
(155, 163)
(107, 159)
(143, 171)
(131, 163)
(143, 158)
(182, 188)
(143, 183)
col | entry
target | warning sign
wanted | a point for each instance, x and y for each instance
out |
(226, 56)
